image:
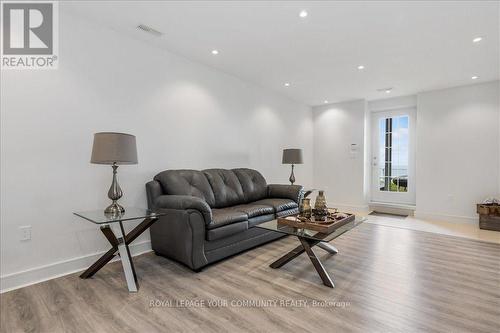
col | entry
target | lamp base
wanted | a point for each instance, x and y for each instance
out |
(114, 193)
(292, 176)
(114, 209)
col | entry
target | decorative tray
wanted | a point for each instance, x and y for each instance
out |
(325, 225)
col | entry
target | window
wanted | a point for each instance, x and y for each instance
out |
(393, 154)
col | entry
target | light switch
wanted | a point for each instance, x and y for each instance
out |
(25, 233)
(353, 150)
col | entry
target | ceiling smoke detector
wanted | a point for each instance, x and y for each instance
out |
(150, 30)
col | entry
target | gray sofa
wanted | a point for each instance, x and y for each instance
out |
(210, 214)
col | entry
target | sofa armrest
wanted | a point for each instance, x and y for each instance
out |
(292, 192)
(185, 202)
(180, 235)
(153, 191)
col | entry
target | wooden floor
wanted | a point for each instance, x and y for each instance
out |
(387, 280)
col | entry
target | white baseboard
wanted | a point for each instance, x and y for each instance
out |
(446, 218)
(51, 271)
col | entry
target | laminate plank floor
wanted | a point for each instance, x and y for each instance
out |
(386, 280)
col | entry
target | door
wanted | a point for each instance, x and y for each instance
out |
(393, 160)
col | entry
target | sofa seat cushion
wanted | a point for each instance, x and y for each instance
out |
(226, 230)
(252, 222)
(287, 212)
(253, 210)
(225, 216)
(279, 205)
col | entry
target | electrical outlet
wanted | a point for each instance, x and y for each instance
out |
(25, 233)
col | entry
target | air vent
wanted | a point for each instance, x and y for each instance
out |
(150, 30)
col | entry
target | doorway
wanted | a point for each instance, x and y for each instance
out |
(393, 156)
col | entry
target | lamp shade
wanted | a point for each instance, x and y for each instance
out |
(292, 156)
(109, 148)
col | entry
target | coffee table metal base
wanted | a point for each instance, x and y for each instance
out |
(306, 245)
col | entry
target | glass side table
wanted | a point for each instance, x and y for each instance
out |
(112, 228)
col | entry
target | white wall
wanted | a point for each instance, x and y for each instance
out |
(387, 104)
(336, 127)
(184, 115)
(457, 150)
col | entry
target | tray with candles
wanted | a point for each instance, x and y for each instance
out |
(321, 223)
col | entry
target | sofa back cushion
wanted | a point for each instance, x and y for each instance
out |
(253, 183)
(186, 182)
(225, 186)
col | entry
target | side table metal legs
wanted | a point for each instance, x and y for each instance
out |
(306, 246)
(126, 258)
(119, 244)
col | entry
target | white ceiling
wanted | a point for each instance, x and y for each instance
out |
(408, 45)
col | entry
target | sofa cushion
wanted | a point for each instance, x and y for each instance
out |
(226, 187)
(253, 209)
(225, 216)
(252, 222)
(186, 182)
(287, 212)
(279, 205)
(253, 183)
(226, 230)
(292, 192)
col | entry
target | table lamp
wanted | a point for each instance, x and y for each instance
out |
(292, 156)
(114, 149)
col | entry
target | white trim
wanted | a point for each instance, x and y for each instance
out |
(446, 218)
(51, 271)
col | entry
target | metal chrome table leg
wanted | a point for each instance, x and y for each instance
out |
(328, 247)
(126, 258)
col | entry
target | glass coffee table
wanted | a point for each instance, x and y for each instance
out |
(308, 239)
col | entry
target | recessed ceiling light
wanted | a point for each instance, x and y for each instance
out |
(303, 14)
(287, 84)
(215, 52)
(477, 39)
(388, 91)
(475, 77)
(360, 67)
(326, 102)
